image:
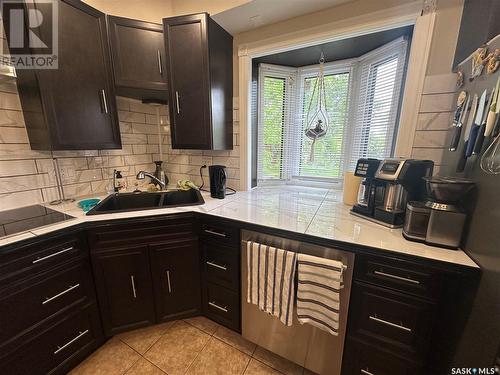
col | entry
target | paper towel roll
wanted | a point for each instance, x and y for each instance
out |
(351, 187)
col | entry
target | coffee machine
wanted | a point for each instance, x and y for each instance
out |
(366, 168)
(394, 183)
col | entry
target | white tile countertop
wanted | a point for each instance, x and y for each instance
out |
(311, 211)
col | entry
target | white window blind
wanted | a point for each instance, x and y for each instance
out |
(362, 102)
(380, 83)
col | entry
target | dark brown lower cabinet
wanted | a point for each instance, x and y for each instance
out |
(363, 359)
(124, 288)
(56, 347)
(175, 268)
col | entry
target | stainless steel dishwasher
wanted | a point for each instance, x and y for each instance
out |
(304, 344)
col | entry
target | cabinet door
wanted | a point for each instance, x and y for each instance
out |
(176, 278)
(138, 55)
(125, 293)
(186, 46)
(79, 99)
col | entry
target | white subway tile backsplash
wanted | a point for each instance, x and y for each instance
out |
(47, 165)
(137, 106)
(11, 118)
(21, 151)
(144, 129)
(13, 135)
(134, 139)
(17, 168)
(153, 119)
(138, 159)
(23, 183)
(23, 198)
(131, 116)
(10, 101)
(27, 176)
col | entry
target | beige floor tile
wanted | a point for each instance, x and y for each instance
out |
(144, 367)
(236, 340)
(177, 348)
(142, 339)
(114, 357)
(278, 363)
(258, 368)
(203, 323)
(218, 358)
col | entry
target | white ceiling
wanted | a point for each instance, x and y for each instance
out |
(257, 13)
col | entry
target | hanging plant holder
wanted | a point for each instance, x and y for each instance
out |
(317, 115)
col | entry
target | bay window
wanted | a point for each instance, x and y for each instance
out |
(362, 99)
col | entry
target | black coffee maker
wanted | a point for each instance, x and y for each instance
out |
(383, 199)
(366, 168)
(218, 178)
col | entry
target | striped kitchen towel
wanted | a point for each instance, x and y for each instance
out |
(271, 273)
(318, 292)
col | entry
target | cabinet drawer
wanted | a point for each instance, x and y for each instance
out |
(222, 233)
(58, 348)
(390, 319)
(362, 359)
(398, 274)
(221, 265)
(222, 305)
(120, 235)
(25, 261)
(27, 303)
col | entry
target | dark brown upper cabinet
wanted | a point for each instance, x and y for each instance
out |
(72, 107)
(138, 55)
(200, 76)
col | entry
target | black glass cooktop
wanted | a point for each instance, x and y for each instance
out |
(29, 217)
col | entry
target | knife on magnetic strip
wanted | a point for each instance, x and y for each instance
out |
(477, 124)
(463, 159)
(459, 124)
(480, 134)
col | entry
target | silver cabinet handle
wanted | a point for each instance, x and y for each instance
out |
(213, 304)
(160, 68)
(80, 335)
(50, 299)
(215, 233)
(177, 102)
(387, 323)
(366, 372)
(104, 101)
(381, 273)
(224, 268)
(132, 281)
(168, 282)
(37, 260)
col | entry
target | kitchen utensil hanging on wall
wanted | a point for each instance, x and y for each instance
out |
(468, 126)
(317, 115)
(458, 118)
(480, 134)
(490, 160)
